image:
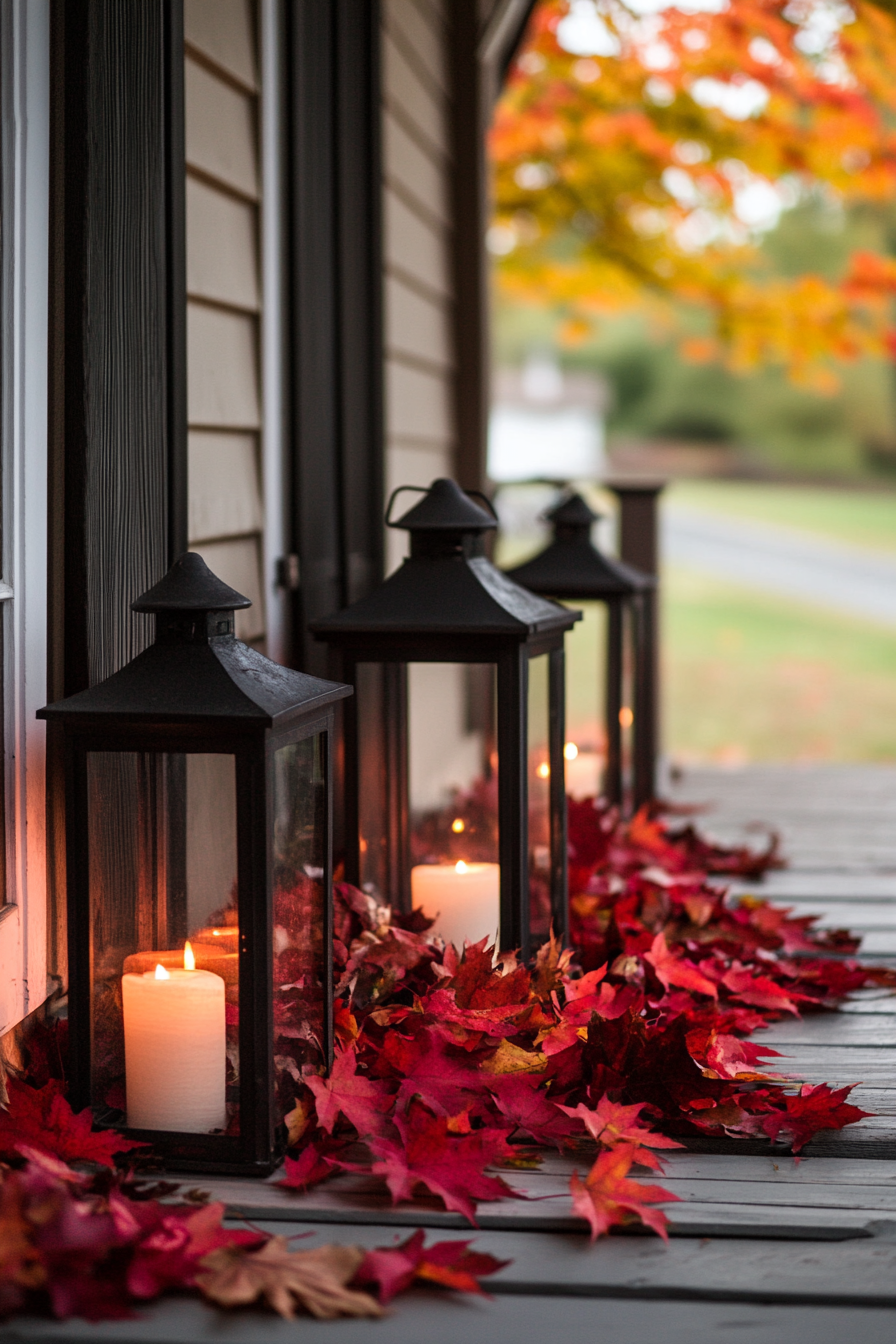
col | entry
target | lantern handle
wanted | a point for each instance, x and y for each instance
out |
(477, 494)
(421, 489)
(424, 490)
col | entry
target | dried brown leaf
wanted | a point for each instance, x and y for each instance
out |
(316, 1280)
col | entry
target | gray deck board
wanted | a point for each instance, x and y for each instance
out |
(507, 1319)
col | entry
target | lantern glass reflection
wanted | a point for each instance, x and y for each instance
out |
(539, 772)
(453, 763)
(586, 701)
(300, 992)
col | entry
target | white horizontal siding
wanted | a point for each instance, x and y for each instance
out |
(222, 369)
(404, 90)
(224, 394)
(414, 245)
(425, 43)
(222, 247)
(224, 32)
(221, 133)
(417, 229)
(416, 323)
(224, 494)
(434, 11)
(420, 173)
(417, 403)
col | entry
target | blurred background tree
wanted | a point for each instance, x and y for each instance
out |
(693, 188)
(695, 209)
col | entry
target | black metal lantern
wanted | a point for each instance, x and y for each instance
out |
(198, 834)
(571, 568)
(454, 739)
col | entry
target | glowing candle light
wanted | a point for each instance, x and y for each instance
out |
(175, 1048)
(463, 898)
(227, 939)
(582, 770)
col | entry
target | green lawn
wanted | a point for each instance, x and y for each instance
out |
(747, 677)
(861, 517)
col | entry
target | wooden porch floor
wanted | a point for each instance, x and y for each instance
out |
(763, 1249)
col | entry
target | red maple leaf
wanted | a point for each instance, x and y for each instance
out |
(364, 1102)
(732, 1059)
(450, 1264)
(311, 1166)
(759, 990)
(520, 1098)
(478, 983)
(612, 1124)
(607, 1198)
(41, 1118)
(502, 1020)
(674, 970)
(427, 1069)
(810, 1110)
(451, 1166)
(172, 1243)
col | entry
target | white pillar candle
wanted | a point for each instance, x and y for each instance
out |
(583, 773)
(175, 1050)
(463, 898)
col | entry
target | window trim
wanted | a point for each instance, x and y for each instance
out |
(271, 331)
(24, 296)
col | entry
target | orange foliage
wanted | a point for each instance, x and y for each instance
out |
(626, 178)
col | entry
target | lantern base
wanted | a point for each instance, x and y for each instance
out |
(211, 1154)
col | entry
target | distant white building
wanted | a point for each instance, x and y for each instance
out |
(545, 423)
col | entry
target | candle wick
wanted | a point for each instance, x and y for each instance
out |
(161, 973)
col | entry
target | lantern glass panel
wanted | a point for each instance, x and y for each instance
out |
(299, 922)
(453, 797)
(539, 772)
(452, 762)
(627, 712)
(161, 830)
(375, 730)
(586, 734)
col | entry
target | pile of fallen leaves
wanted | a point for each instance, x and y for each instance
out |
(450, 1066)
(634, 1040)
(88, 1243)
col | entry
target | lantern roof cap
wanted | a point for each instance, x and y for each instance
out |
(572, 511)
(190, 585)
(459, 596)
(571, 566)
(444, 508)
(197, 672)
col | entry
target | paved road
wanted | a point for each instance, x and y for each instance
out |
(829, 574)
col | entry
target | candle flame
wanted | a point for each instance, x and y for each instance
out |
(543, 770)
(460, 866)
(161, 973)
(189, 959)
(626, 717)
(570, 751)
(457, 825)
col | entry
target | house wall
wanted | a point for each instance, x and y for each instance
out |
(223, 204)
(418, 318)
